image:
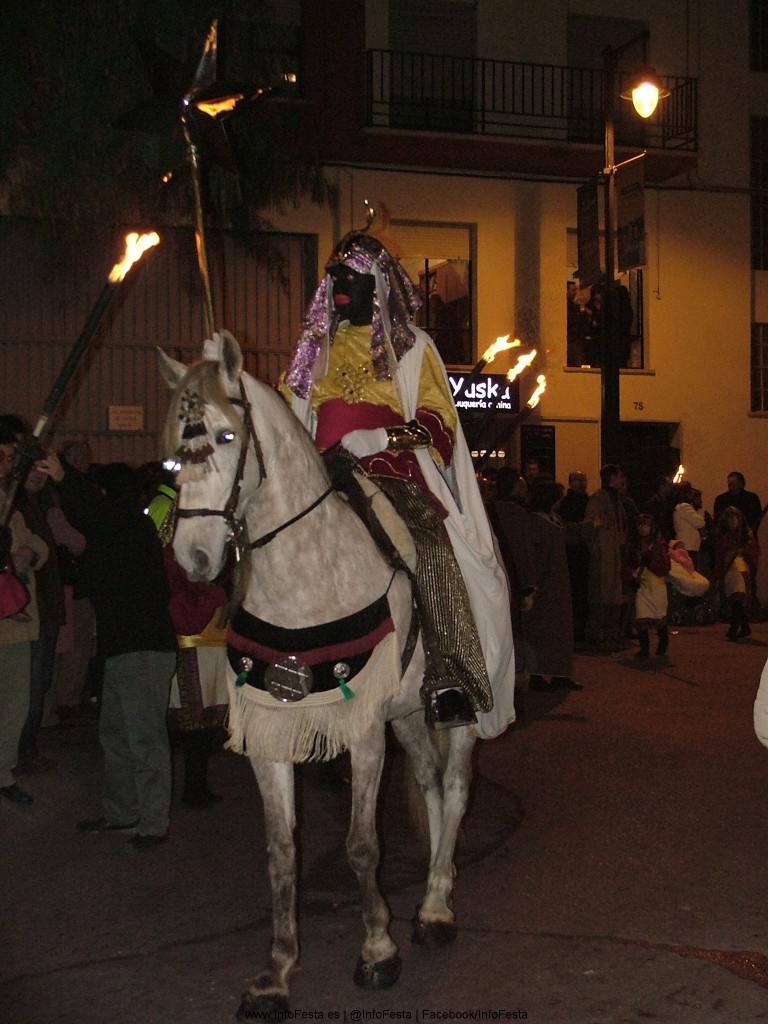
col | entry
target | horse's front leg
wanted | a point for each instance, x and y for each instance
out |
(379, 965)
(434, 922)
(268, 995)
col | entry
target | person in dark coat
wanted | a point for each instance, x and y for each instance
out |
(127, 585)
(572, 509)
(510, 519)
(747, 502)
(548, 625)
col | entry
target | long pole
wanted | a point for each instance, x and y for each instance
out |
(610, 418)
(200, 243)
(136, 245)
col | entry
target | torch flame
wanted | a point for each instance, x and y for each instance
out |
(541, 382)
(521, 364)
(678, 477)
(135, 247)
(500, 345)
(220, 105)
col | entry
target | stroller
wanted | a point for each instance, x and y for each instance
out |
(693, 601)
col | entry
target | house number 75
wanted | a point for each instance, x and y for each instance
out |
(639, 406)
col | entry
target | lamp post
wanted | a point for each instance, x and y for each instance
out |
(644, 92)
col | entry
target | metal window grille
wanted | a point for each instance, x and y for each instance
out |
(759, 368)
(758, 155)
(445, 287)
(758, 35)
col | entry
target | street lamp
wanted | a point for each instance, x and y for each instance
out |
(644, 91)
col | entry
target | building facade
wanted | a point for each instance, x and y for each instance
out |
(470, 126)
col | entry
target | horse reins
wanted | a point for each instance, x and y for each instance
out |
(228, 512)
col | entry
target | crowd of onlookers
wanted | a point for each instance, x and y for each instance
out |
(99, 631)
(107, 605)
(598, 571)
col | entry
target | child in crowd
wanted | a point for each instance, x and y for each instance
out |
(652, 565)
(736, 555)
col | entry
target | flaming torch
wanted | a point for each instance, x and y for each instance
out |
(135, 247)
(500, 345)
(678, 477)
(541, 384)
(509, 429)
(523, 362)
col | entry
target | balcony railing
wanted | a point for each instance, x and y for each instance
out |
(433, 92)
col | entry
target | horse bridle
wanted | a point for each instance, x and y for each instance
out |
(236, 526)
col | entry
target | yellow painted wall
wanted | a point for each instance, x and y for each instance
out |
(700, 295)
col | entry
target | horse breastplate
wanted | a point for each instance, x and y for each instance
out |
(276, 659)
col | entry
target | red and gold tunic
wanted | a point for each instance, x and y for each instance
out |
(348, 397)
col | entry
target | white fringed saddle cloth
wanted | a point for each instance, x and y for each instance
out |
(328, 720)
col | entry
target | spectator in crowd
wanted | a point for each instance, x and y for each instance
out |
(660, 506)
(547, 632)
(736, 554)
(125, 575)
(651, 599)
(510, 519)
(78, 455)
(688, 519)
(750, 506)
(747, 502)
(38, 502)
(572, 509)
(625, 317)
(631, 513)
(23, 553)
(78, 672)
(577, 319)
(199, 696)
(531, 470)
(606, 512)
(593, 326)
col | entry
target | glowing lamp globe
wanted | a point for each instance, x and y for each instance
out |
(645, 91)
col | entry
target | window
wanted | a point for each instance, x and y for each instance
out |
(759, 368)
(437, 258)
(758, 158)
(758, 35)
(584, 313)
(445, 313)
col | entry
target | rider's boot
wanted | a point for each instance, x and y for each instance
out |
(448, 707)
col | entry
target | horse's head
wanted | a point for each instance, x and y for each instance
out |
(209, 434)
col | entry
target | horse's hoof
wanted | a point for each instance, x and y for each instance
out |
(262, 1007)
(432, 933)
(384, 974)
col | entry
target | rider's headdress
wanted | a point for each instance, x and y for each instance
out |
(395, 300)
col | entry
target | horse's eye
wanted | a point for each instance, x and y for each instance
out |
(225, 437)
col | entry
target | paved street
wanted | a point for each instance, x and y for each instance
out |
(612, 869)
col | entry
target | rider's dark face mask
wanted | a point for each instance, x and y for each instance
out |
(352, 294)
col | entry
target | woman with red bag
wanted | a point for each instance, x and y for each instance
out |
(25, 552)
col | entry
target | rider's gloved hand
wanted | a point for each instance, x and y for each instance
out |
(361, 443)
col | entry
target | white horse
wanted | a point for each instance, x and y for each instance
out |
(313, 568)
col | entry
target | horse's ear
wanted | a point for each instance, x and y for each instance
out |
(171, 369)
(231, 355)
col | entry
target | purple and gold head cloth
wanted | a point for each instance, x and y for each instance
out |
(395, 300)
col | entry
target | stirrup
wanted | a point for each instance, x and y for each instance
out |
(447, 708)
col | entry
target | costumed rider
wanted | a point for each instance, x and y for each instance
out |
(199, 699)
(364, 377)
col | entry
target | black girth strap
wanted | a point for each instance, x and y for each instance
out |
(267, 537)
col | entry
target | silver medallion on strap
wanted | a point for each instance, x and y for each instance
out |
(288, 680)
